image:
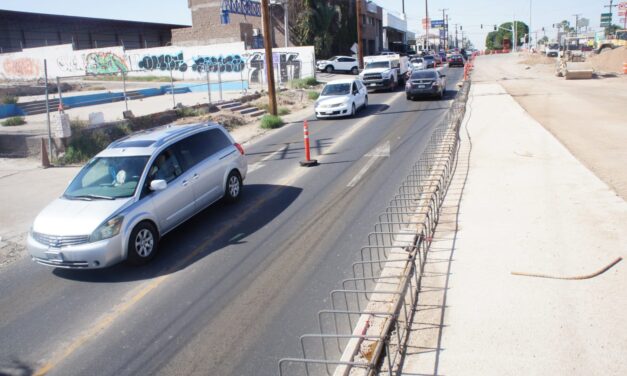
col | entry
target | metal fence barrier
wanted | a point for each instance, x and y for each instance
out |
(400, 241)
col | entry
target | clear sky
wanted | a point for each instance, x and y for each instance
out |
(469, 13)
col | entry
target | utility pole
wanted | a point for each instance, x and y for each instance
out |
(577, 24)
(612, 5)
(529, 32)
(446, 45)
(427, 23)
(360, 46)
(444, 21)
(267, 44)
(456, 41)
(286, 23)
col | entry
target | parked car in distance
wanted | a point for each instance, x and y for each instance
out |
(437, 60)
(429, 61)
(338, 63)
(341, 98)
(428, 82)
(456, 61)
(417, 63)
(442, 55)
(135, 191)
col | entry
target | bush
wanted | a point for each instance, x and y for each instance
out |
(9, 99)
(303, 83)
(283, 111)
(313, 95)
(271, 122)
(85, 143)
(15, 120)
(187, 111)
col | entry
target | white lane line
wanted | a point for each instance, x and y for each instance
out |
(260, 164)
(381, 151)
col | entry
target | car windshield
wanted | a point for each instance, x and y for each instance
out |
(416, 61)
(554, 46)
(336, 89)
(423, 75)
(333, 58)
(428, 57)
(107, 178)
(378, 64)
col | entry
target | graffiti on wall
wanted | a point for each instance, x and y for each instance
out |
(229, 63)
(71, 63)
(289, 65)
(22, 67)
(183, 62)
(164, 62)
(104, 63)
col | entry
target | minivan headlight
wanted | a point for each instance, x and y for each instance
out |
(108, 229)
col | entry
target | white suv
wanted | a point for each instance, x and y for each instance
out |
(339, 63)
(135, 191)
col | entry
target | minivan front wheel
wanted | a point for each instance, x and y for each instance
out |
(142, 244)
(233, 187)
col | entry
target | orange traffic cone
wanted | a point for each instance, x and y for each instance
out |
(625, 67)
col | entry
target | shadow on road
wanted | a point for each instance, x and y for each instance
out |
(213, 229)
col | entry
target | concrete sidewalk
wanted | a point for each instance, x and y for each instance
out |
(520, 202)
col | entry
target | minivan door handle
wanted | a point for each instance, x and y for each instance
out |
(195, 177)
(184, 183)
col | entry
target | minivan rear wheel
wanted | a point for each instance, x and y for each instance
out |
(143, 243)
(233, 187)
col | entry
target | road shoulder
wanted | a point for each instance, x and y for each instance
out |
(528, 206)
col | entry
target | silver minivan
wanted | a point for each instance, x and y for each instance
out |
(136, 190)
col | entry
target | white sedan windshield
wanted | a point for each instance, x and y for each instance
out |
(336, 89)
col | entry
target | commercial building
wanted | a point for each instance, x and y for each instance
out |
(372, 27)
(226, 21)
(394, 30)
(19, 30)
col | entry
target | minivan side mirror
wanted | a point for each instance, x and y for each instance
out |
(158, 185)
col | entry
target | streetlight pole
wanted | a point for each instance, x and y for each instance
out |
(267, 44)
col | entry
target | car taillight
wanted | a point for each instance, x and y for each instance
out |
(240, 148)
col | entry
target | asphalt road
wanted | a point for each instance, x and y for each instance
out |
(232, 289)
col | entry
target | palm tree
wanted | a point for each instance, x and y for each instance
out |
(326, 19)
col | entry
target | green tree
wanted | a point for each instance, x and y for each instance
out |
(490, 41)
(326, 20)
(566, 27)
(305, 28)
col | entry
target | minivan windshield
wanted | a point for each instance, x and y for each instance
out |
(336, 89)
(107, 178)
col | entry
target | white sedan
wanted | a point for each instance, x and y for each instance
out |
(341, 98)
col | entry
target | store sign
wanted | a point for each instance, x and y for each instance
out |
(437, 23)
(245, 7)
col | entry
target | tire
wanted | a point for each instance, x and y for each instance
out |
(142, 244)
(365, 102)
(353, 112)
(233, 188)
(355, 71)
(329, 69)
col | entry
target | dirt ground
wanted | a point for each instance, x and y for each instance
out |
(589, 117)
(609, 61)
